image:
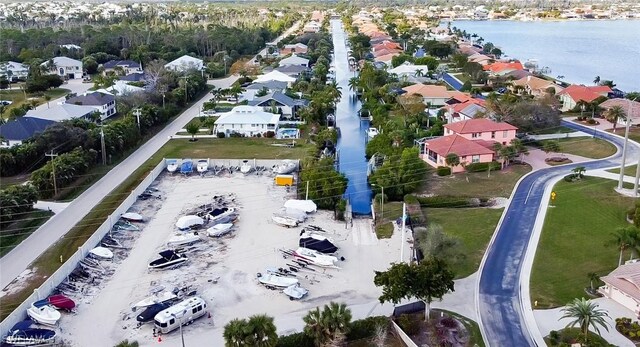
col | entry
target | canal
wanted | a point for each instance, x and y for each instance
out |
(352, 141)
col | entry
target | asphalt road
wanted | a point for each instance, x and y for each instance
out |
(500, 311)
(19, 259)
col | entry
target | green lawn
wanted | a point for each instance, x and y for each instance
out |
(574, 237)
(234, 148)
(587, 147)
(628, 170)
(554, 130)
(384, 230)
(18, 97)
(20, 229)
(476, 184)
(634, 132)
(474, 226)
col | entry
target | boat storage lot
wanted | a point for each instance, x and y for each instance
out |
(224, 270)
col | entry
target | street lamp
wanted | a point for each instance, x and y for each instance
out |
(381, 199)
(180, 320)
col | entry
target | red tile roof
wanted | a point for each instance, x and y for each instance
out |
(478, 125)
(461, 106)
(626, 278)
(386, 44)
(624, 103)
(501, 66)
(585, 93)
(456, 144)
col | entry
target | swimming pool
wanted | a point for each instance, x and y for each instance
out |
(288, 133)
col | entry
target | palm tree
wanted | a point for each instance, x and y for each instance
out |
(419, 73)
(126, 343)
(314, 326)
(596, 80)
(262, 331)
(625, 238)
(579, 171)
(593, 277)
(585, 313)
(614, 114)
(235, 333)
(329, 325)
(353, 83)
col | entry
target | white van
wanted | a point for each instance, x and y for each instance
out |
(183, 313)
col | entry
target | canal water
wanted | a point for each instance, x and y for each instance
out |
(352, 140)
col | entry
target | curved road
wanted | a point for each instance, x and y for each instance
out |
(500, 302)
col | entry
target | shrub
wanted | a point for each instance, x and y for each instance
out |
(449, 322)
(479, 167)
(295, 340)
(365, 328)
(570, 178)
(444, 201)
(591, 121)
(408, 324)
(443, 171)
(220, 135)
(411, 199)
(269, 134)
(235, 134)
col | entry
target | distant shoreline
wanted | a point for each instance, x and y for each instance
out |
(539, 20)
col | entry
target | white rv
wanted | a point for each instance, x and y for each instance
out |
(183, 313)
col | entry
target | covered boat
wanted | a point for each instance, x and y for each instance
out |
(295, 292)
(245, 168)
(203, 165)
(133, 217)
(308, 206)
(219, 213)
(183, 239)
(152, 310)
(46, 314)
(273, 280)
(294, 213)
(186, 167)
(316, 242)
(220, 229)
(172, 165)
(29, 337)
(315, 257)
(186, 222)
(286, 167)
(168, 259)
(125, 225)
(284, 221)
(101, 253)
(58, 301)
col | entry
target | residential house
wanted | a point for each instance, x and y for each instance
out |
(247, 121)
(311, 27)
(294, 60)
(518, 74)
(385, 51)
(22, 128)
(293, 70)
(622, 285)
(14, 71)
(386, 44)
(281, 104)
(468, 49)
(483, 129)
(466, 110)
(500, 68)
(64, 67)
(59, 113)
(408, 69)
(269, 86)
(630, 107)
(101, 102)
(434, 95)
(573, 94)
(134, 77)
(535, 86)
(125, 66)
(275, 76)
(386, 58)
(121, 88)
(480, 59)
(185, 63)
(298, 48)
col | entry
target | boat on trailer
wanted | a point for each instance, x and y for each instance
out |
(168, 258)
(183, 239)
(133, 217)
(172, 165)
(57, 301)
(245, 168)
(46, 314)
(158, 298)
(203, 165)
(285, 221)
(30, 337)
(271, 280)
(218, 214)
(219, 230)
(315, 257)
(295, 292)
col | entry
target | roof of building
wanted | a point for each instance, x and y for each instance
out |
(499, 66)
(432, 91)
(23, 128)
(296, 45)
(63, 61)
(279, 97)
(185, 62)
(387, 57)
(134, 77)
(535, 83)
(120, 88)
(625, 278)
(626, 105)
(62, 112)
(478, 125)
(518, 74)
(91, 99)
(292, 69)
(585, 93)
(384, 51)
(469, 108)
(293, 60)
(386, 44)
(247, 115)
(111, 64)
(456, 144)
(274, 76)
(408, 68)
(270, 85)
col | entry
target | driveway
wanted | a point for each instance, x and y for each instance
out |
(504, 308)
(74, 86)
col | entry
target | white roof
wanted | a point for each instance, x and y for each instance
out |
(13, 66)
(248, 115)
(274, 75)
(184, 63)
(178, 309)
(409, 69)
(62, 112)
(294, 60)
(120, 88)
(64, 61)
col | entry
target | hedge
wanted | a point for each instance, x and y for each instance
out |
(444, 201)
(295, 340)
(443, 171)
(358, 330)
(479, 167)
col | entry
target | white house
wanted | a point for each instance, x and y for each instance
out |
(294, 60)
(275, 76)
(121, 88)
(280, 103)
(185, 63)
(64, 67)
(311, 27)
(101, 102)
(622, 285)
(14, 71)
(127, 66)
(408, 69)
(247, 120)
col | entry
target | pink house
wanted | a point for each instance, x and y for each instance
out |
(482, 129)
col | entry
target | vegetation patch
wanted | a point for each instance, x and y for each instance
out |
(19, 230)
(477, 184)
(569, 336)
(384, 230)
(587, 147)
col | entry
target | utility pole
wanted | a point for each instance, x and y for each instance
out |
(53, 171)
(136, 112)
(404, 218)
(103, 146)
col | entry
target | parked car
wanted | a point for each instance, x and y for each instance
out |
(6, 102)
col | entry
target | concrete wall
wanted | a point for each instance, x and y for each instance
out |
(402, 335)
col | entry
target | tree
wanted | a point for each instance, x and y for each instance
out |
(579, 171)
(551, 146)
(400, 174)
(47, 98)
(192, 129)
(466, 86)
(431, 63)
(452, 160)
(520, 148)
(593, 277)
(433, 241)
(328, 326)
(614, 114)
(608, 83)
(625, 238)
(586, 314)
(258, 331)
(326, 185)
(596, 80)
(428, 280)
(126, 343)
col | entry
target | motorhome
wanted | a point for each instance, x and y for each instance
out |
(183, 313)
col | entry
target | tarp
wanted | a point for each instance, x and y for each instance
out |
(185, 222)
(307, 206)
(322, 246)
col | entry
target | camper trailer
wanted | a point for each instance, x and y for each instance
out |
(183, 313)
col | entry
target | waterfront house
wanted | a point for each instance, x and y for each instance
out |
(298, 48)
(295, 61)
(436, 150)
(185, 63)
(407, 69)
(434, 95)
(573, 94)
(281, 104)
(125, 67)
(247, 121)
(480, 59)
(59, 113)
(500, 68)
(535, 86)
(14, 71)
(465, 110)
(269, 86)
(22, 128)
(293, 70)
(64, 67)
(386, 44)
(275, 76)
(622, 285)
(630, 107)
(101, 102)
(482, 129)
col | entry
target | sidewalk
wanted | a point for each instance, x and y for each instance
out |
(537, 156)
(55, 207)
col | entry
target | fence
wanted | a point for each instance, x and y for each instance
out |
(61, 274)
(402, 335)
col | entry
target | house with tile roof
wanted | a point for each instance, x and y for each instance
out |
(500, 68)
(386, 44)
(466, 110)
(298, 48)
(535, 86)
(22, 128)
(622, 285)
(630, 107)
(573, 94)
(386, 58)
(482, 129)
(435, 95)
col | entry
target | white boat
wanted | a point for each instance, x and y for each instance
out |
(308, 206)
(183, 239)
(245, 168)
(172, 165)
(220, 229)
(154, 299)
(220, 213)
(272, 280)
(285, 221)
(133, 217)
(30, 337)
(315, 257)
(286, 167)
(295, 292)
(101, 253)
(294, 213)
(372, 132)
(203, 165)
(46, 315)
(186, 222)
